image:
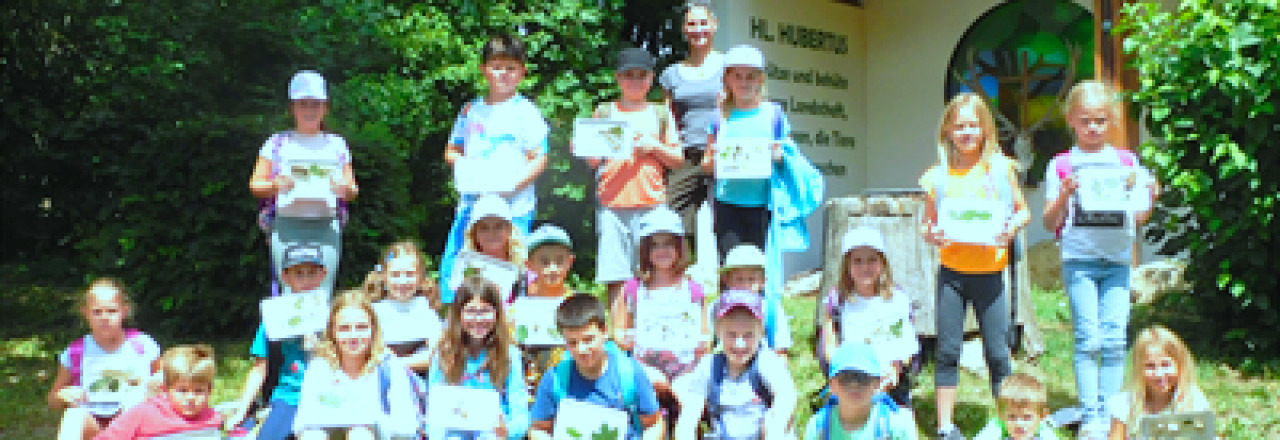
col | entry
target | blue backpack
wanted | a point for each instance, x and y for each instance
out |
(719, 370)
(882, 408)
(417, 388)
(625, 368)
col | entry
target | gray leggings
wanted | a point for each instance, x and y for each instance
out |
(991, 306)
(324, 233)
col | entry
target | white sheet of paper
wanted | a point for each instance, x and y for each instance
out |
(667, 324)
(535, 321)
(334, 409)
(312, 193)
(110, 387)
(602, 138)
(399, 320)
(199, 434)
(499, 272)
(294, 315)
(972, 220)
(578, 420)
(744, 158)
(500, 174)
(463, 408)
(1106, 188)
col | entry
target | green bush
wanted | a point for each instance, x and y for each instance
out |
(1210, 97)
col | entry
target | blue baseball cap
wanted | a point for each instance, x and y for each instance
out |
(855, 356)
(302, 254)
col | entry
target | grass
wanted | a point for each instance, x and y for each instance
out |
(39, 324)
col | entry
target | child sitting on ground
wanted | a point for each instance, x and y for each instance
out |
(1162, 380)
(1021, 405)
(859, 410)
(182, 408)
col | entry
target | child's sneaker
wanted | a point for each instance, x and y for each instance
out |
(950, 434)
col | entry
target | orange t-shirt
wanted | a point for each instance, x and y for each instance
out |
(976, 182)
(636, 182)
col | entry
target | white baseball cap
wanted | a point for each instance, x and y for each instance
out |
(490, 205)
(661, 220)
(862, 236)
(307, 84)
(744, 256)
(744, 56)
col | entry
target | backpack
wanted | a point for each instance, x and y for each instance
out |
(632, 286)
(1063, 169)
(720, 369)
(625, 369)
(75, 353)
(883, 410)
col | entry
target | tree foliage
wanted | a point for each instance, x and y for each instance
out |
(1210, 97)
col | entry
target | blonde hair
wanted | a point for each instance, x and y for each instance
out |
(375, 283)
(328, 347)
(884, 286)
(1158, 337)
(991, 150)
(727, 99)
(1093, 91)
(112, 283)
(192, 363)
(516, 252)
(1023, 390)
(452, 352)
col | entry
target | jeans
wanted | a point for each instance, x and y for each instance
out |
(1099, 294)
(985, 291)
(279, 422)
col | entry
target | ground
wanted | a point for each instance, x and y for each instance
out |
(39, 324)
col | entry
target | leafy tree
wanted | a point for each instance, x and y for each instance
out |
(1210, 97)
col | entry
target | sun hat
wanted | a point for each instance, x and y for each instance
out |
(744, 256)
(857, 357)
(490, 205)
(744, 56)
(549, 234)
(635, 58)
(659, 221)
(862, 236)
(307, 84)
(746, 299)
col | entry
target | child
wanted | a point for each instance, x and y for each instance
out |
(476, 352)
(594, 374)
(858, 411)
(744, 269)
(550, 258)
(628, 189)
(1022, 406)
(867, 306)
(770, 212)
(972, 180)
(404, 278)
(182, 408)
(308, 144)
(748, 392)
(127, 355)
(663, 294)
(493, 234)
(354, 383)
(279, 365)
(503, 128)
(1096, 244)
(1162, 380)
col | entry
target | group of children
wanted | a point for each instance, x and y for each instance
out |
(659, 352)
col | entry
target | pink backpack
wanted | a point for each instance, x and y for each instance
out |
(632, 286)
(75, 352)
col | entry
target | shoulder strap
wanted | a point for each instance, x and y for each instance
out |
(384, 386)
(275, 362)
(777, 121)
(560, 380)
(627, 380)
(276, 146)
(75, 356)
(718, 372)
(1062, 163)
(939, 181)
(1127, 158)
(664, 120)
(695, 291)
(630, 288)
(756, 379)
(824, 422)
(132, 335)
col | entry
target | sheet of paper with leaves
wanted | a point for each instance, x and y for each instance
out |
(294, 315)
(667, 323)
(480, 175)
(332, 407)
(972, 220)
(312, 193)
(399, 320)
(110, 386)
(1106, 188)
(578, 420)
(535, 321)
(602, 138)
(460, 408)
(744, 158)
(198, 434)
(501, 273)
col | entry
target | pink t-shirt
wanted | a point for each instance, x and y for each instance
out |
(155, 418)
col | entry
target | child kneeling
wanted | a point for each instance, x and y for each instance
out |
(597, 374)
(860, 410)
(748, 392)
(182, 408)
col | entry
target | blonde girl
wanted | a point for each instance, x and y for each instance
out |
(343, 389)
(491, 233)
(183, 407)
(866, 306)
(1162, 380)
(972, 177)
(109, 352)
(288, 153)
(476, 351)
(1096, 245)
(403, 279)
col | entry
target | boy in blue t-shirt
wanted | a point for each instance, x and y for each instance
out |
(303, 272)
(860, 410)
(498, 145)
(598, 373)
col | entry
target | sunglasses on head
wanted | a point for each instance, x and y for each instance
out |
(855, 378)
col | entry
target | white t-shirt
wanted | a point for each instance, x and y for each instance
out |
(1191, 401)
(743, 411)
(330, 398)
(883, 324)
(509, 131)
(414, 319)
(326, 147)
(1111, 241)
(126, 358)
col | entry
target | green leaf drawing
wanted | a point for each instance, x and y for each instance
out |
(605, 433)
(573, 433)
(522, 333)
(295, 321)
(105, 384)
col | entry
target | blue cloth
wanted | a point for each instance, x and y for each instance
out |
(515, 401)
(289, 388)
(795, 191)
(605, 391)
(279, 422)
(1099, 293)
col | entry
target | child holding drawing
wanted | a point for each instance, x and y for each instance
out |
(1097, 239)
(498, 145)
(410, 326)
(550, 258)
(973, 180)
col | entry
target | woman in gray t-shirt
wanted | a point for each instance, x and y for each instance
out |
(692, 88)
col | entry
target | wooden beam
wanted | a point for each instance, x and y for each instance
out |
(1111, 66)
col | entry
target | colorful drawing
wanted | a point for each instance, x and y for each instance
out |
(744, 158)
(312, 193)
(602, 138)
(535, 321)
(294, 315)
(578, 420)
